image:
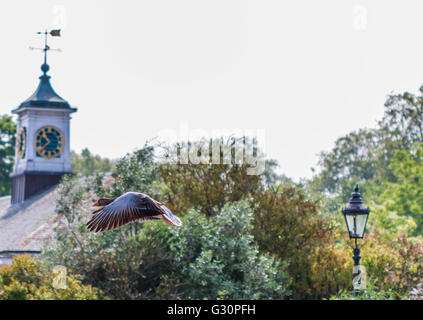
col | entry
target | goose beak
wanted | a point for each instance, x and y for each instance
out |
(96, 204)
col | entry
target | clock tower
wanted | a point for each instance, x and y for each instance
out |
(42, 146)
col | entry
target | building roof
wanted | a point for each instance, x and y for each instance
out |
(45, 96)
(28, 225)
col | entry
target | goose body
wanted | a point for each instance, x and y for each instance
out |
(129, 207)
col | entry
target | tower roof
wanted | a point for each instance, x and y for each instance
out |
(45, 96)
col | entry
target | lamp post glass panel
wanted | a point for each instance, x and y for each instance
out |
(356, 214)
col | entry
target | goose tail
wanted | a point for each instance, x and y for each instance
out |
(170, 218)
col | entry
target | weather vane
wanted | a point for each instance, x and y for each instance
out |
(53, 33)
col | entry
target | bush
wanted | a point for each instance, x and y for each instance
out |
(397, 265)
(217, 258)
(370, 293)
(28, 279)
(291, 227)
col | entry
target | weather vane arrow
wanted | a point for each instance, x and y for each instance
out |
(53, 33)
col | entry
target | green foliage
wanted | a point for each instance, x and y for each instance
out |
(405, 196)
(234, 250)
(139, 261)
(364, 155)
(370, 293)
(7, 152)
(28, 279)
(103, 260)
(388, 221)
(218, 255)
(136, 171)
(161, 262)
(396, 265)
(416, 293)
(122, 266)
(207, 187)
(395, 268)
(354, 155)
(387, 163)
(291, 227)
(87, 164)
(403, 119)
(248, 249)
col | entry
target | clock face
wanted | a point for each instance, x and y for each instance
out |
(21, 142)
(49, 142)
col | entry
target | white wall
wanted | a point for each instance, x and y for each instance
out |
(33, 120)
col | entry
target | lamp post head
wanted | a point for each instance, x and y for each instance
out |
(356, 215)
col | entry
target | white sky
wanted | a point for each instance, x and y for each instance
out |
(307, 72)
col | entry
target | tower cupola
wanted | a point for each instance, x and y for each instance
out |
(43, 129)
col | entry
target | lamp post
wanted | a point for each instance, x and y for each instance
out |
(356, 214)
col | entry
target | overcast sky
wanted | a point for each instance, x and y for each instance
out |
(307, 72)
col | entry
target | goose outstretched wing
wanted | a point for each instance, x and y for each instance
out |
(127, 208)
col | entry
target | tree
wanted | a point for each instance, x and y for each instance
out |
(208, 186)
(404, 196)
(403, 118)
(354, 155)
(217, 258)
(291, 227)
(137, 171)
(88, 164)
(364, 155)
(7, 152)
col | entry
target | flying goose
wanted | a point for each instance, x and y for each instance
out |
(129, 207)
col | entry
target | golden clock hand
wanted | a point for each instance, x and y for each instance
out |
(45, 136)
(48, 141)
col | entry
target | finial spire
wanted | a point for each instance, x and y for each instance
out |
(54, 33)
(356, 196)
